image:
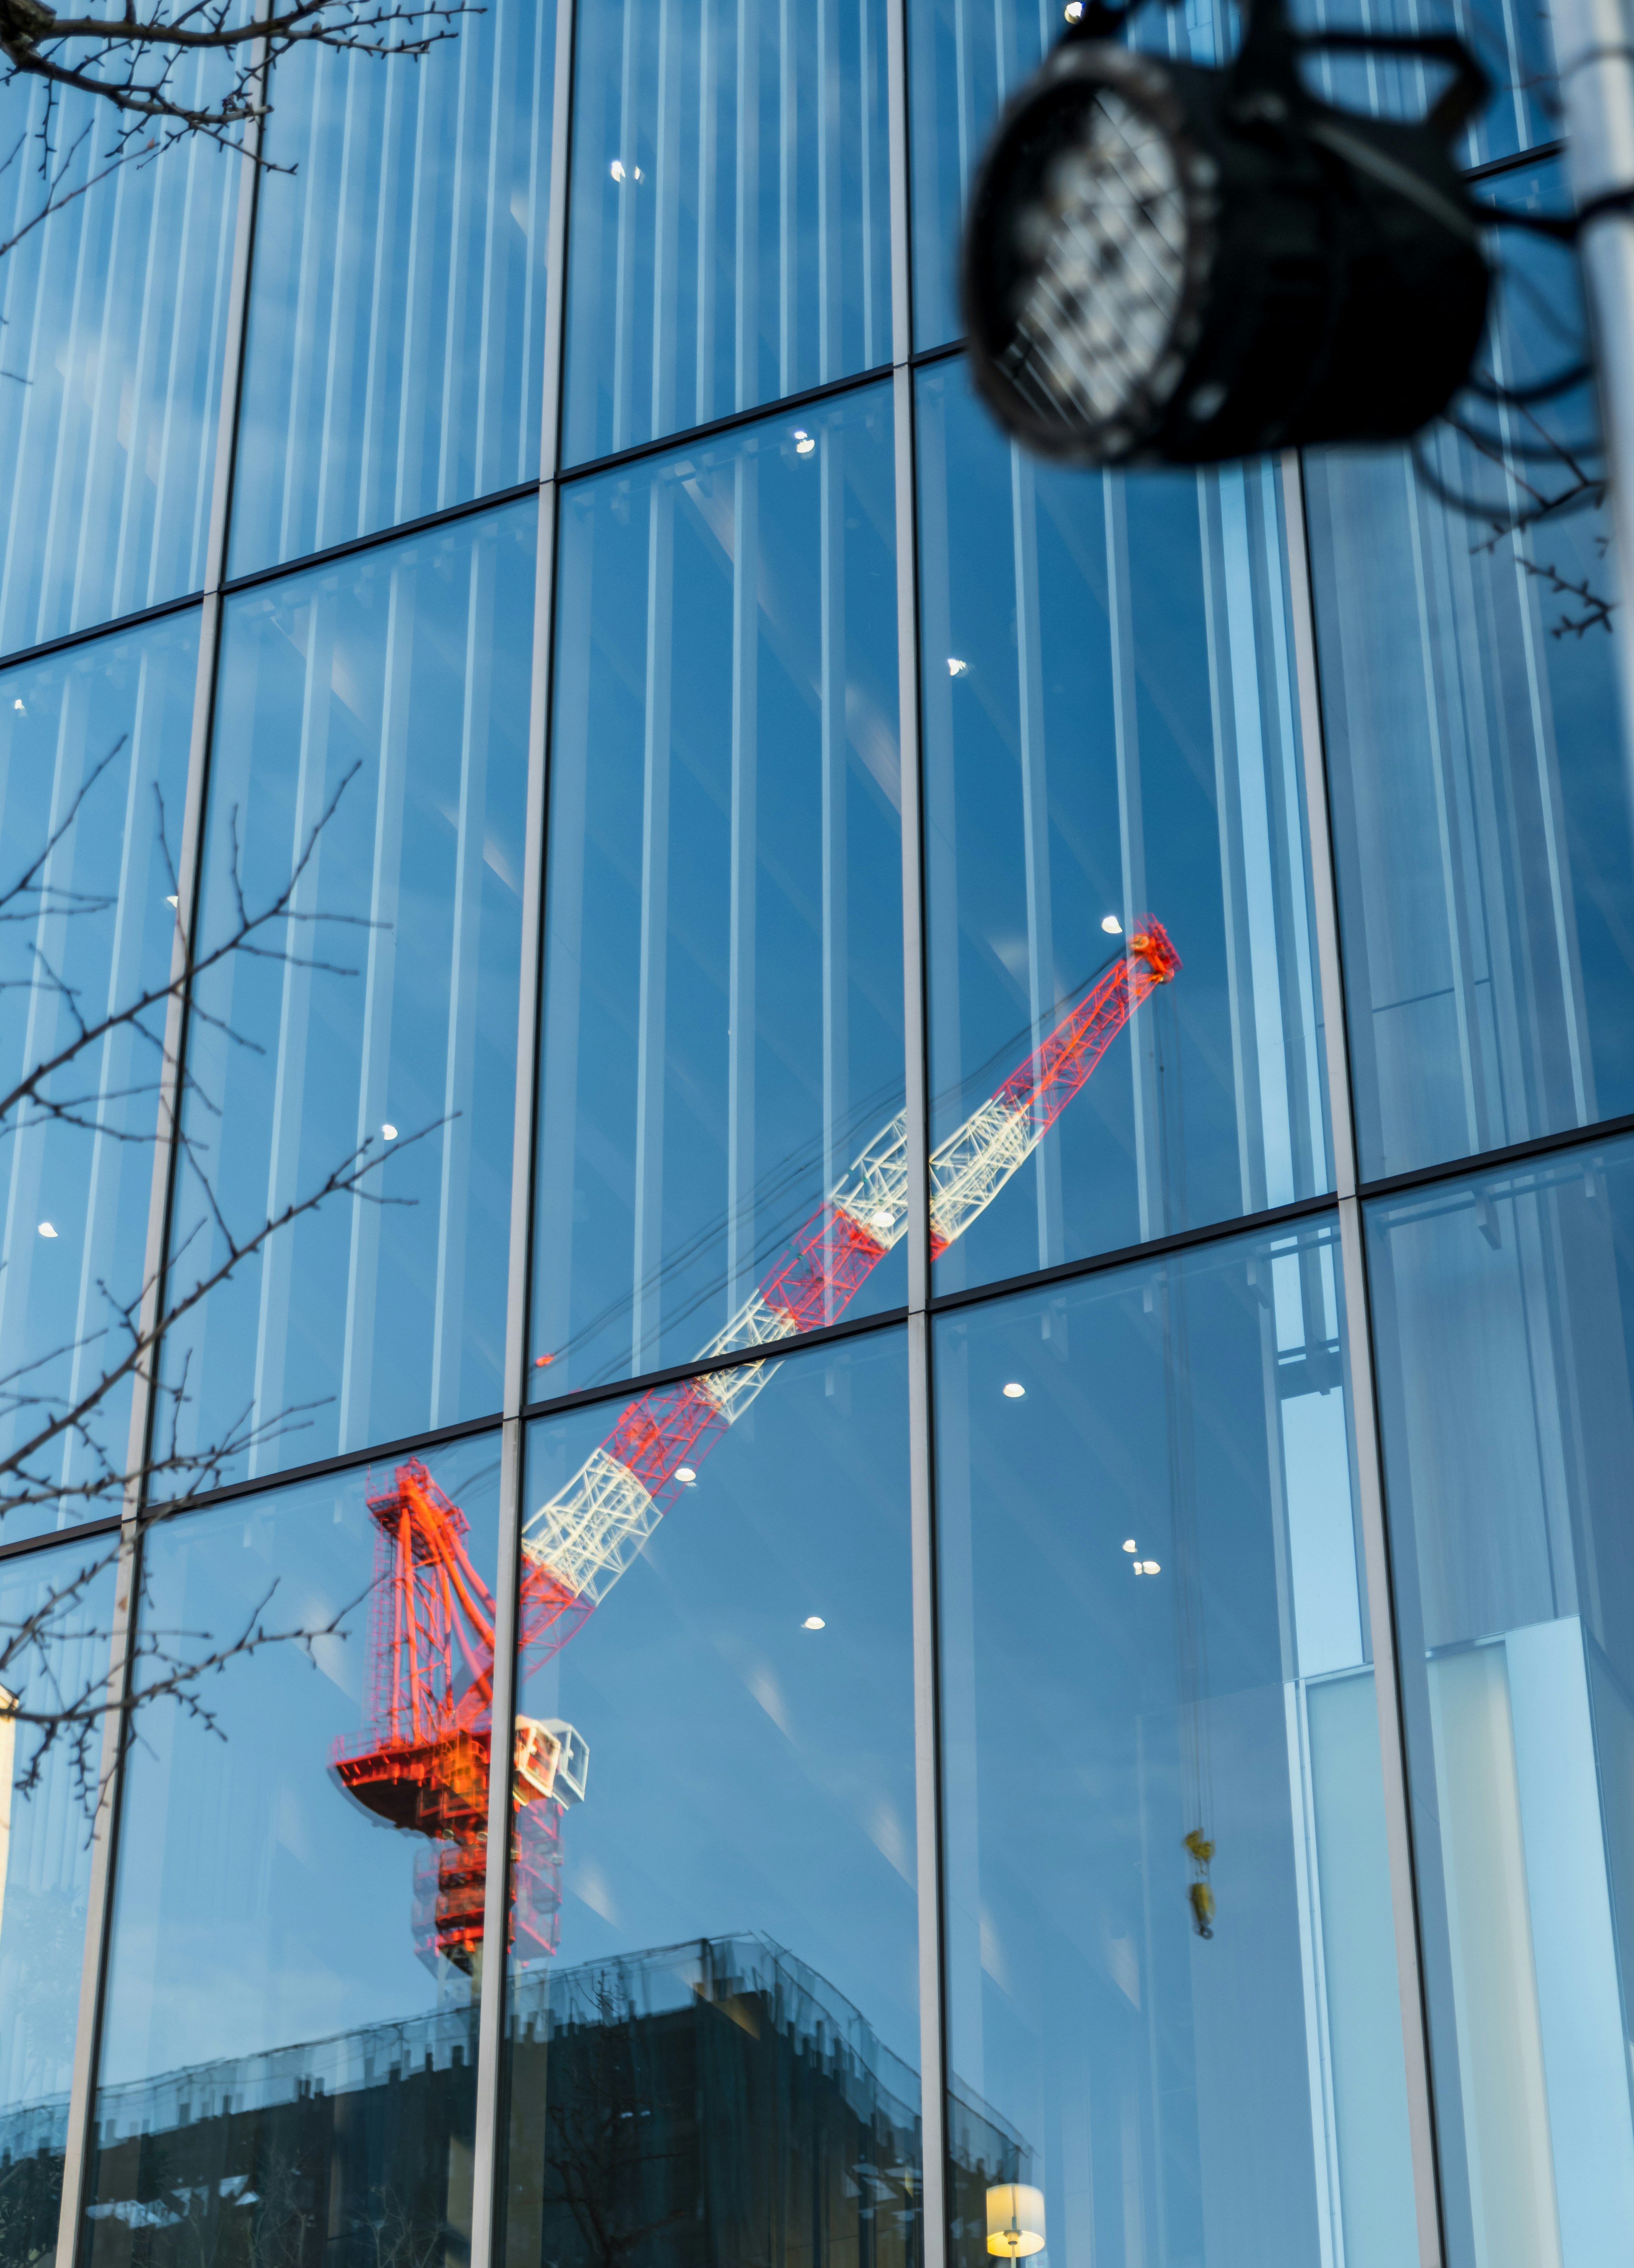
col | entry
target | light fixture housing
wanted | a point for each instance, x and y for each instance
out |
(1015, 2220)
(1169, 264)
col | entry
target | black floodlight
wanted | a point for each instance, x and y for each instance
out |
(1167, 264)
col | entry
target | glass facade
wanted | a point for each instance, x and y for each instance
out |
(114, 308)
(1153, 1642)
(712, 1617)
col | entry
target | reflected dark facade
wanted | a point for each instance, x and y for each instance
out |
(700, 2102)
(944, 1546)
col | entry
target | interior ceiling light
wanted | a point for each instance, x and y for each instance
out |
(1169, 264)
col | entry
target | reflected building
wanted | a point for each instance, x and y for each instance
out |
(696, 2102)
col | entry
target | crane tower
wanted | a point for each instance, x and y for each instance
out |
(422, 1761)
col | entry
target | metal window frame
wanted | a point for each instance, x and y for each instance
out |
(487, 2229)
(1360, 1373)
(1615, 297)
(104, 1825)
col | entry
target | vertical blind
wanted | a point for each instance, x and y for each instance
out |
(1110, 731)
(372, 720)
(397, 308)
(93, 755)
(113, 321)
(723, 959)
(731, 215)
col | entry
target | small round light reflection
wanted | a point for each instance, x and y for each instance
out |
(1129, 1543)
(685, 1475)
(814, 1621)
(803, 442)
(1112, 925)
(1014, 1392)
(388, 1132)
(617, 169)
(45, 1229)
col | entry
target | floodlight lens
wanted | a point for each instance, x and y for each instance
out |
(1101, 260)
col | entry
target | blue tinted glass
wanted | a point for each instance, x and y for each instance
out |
(289, 2040)
(1171, 1969)
(1510, 39)
(1110, 732)
(723, 1045)
(713, 2032)
(372, 742)
(1483, 824)
(93, 764)
(397, 314)
(966, 62)
(1502, 1320)
(114, 315)
(55, 1610)
(731, 231)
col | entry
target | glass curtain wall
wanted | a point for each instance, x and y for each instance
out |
(723, 1029)
(1502, 1314)
(396, 321)
(55, 1610)
(1173, 2020)
(712, 2029)
(1106, 1659)
(94, 761)
(288, 2038)
(113, 312)
(1110, 736)
(1484, 818)
(731, 211)
(366, 816)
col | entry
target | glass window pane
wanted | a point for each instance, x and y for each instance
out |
(372, 742)
(1482, 818)
(113, 316)
(55, 1610)
(731, 211)
(966, 62)
(723, 1035)
(1502, 1320)
(93, 765)
(289, 2042)
(712, 2035)
(1171, 1969)
(1110, 732)
(397, 317)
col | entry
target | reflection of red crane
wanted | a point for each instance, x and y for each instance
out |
(422, 1761)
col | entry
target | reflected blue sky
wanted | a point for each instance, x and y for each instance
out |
(45, 1848)
(113, 313)
(1110, 730)
(724, 935)
(1483, 825)
(1502, 1315)
(731, 212)
(1152, 1628)
(393, 689)
(258, 1905)
(108, 724)
(748, 1773)
(396, 357)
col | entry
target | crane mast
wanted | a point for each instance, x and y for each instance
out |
(422, 1761)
